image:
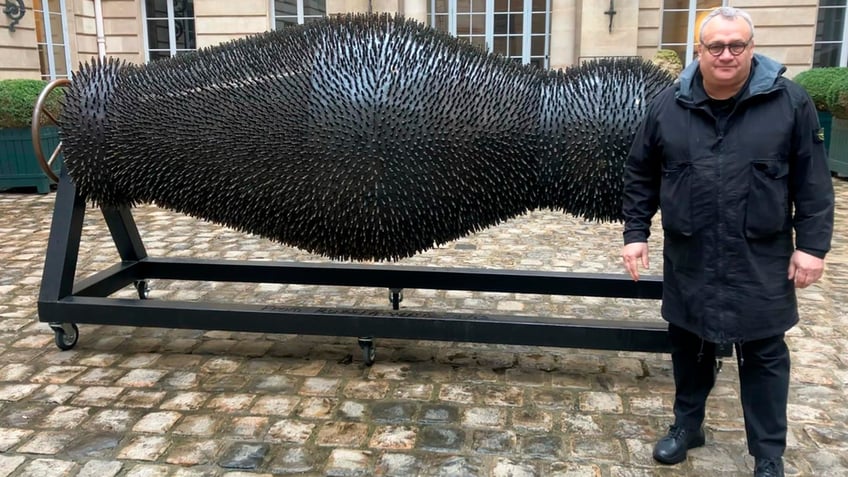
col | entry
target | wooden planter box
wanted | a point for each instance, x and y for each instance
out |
(18, 166)
(838, 154)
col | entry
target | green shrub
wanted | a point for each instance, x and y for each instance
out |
(837, 98)
(18, 98)
(818, 81)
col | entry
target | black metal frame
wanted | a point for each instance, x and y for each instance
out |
(63, 303)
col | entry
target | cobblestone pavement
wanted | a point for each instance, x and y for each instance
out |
(130, 401)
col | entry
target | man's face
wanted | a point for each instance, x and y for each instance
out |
(726, 68)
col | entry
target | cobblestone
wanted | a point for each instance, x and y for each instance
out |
(146, 402)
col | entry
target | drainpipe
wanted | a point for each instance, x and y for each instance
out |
(98, 26)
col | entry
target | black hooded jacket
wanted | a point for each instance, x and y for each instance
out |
(731, 193)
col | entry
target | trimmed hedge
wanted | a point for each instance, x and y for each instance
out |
(837, 97)
(17, 101)
(818, 81)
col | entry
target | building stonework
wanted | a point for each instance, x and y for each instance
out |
(576, 29)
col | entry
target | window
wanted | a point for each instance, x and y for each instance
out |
(681, 20)
(829, 47)
(51, 32)
(296, 12)
(168, 27)
(517, 29)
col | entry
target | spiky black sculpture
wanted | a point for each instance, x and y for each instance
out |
(363, 137)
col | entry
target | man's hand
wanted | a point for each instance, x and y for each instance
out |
(632, 254)
(805, 269)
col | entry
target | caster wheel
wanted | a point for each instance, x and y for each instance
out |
(66, 336)
(143, 289)
(369, 352)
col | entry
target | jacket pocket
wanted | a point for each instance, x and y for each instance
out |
(767, 209)
(675, 199)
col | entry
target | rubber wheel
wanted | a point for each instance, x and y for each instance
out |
(66, 341)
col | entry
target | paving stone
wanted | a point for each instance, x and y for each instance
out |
(99, 396)
(294, 460)
(9, 438)
(116, 420)
(542, 446)
(316, 408)
(193, 452)
(348, 463)
(247, 426)
(493, 442)
(244, 455)
(340, 434)
(509, 468)
(46, 442)
(477, 417)
(398, 465)
(8, 464)
(88, 445)
(65, 417)
(297, 432)
(147, 448)
(439, 414)
(198, 425)
(186, 401)
(366, 389)
(393, 412)
(100, 468)
(275, 405)
(148, 470)
(157, 422)
(47, 468)
(351, 410)
(436, 438)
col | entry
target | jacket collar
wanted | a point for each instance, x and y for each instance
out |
(763, 79)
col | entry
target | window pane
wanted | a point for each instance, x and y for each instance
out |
(537, 45)
(184, 8)
(834, 3)
(156, 8)
(159, 55)
(830, 24)
(441, 6)
(441, 22)
(675, 25)
(285, 7)
(311, 19)
(56, 29)
(499, 45)
(157, 35)
(501, 21)
(515, 45)
(315, 7)
(463, 24)
(479, 41)
(539, 6)
(502, 6)
(826, 54)
(54, 6)
(184, 33)
(283, 22)
(478, 24)
(516, 23)
(43, 61)
(708, 4)
(538, 25)
(676, 4)
(538, 62)
(59, 60)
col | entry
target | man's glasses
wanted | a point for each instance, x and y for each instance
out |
(736, 48)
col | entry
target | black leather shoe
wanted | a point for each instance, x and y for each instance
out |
(672, 448)
(768, 467)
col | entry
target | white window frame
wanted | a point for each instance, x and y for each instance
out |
(526, 28)
(300, 15)
(690, 29)
(172, 31)
(48, 40)
(843, 43)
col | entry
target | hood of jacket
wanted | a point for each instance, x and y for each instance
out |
(764, 75)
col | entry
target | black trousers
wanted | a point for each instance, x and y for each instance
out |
(763, 379)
